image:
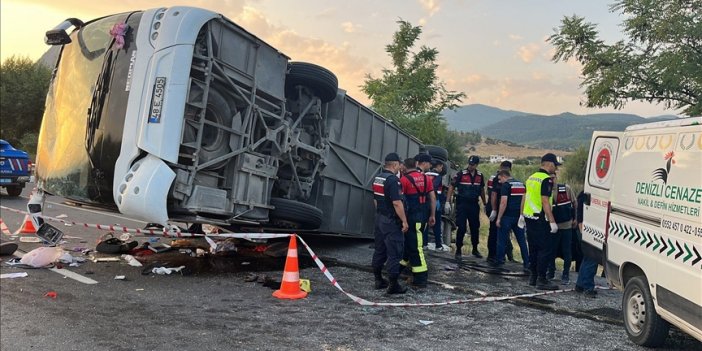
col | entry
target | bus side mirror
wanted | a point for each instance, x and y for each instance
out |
(58, 35)
(586, 198)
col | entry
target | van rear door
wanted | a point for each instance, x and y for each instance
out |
(601, 163)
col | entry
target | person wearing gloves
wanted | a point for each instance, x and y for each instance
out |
(539, 221)
(470, 187)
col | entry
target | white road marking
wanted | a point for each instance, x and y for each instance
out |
(64, 272)
(95, 212)
(87, 210)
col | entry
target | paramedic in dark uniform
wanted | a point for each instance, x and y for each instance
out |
(390, 225)
(470, 185)
(421, 203)
(493, 207)
(512, 192)
(539, 221)
(437, 174)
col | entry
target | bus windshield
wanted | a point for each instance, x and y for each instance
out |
(64, 163)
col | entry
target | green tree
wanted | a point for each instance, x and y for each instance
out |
(411, 95)
(660, 61)
(23, 88)
(575, 164)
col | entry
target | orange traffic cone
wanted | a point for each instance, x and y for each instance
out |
(290, 286)
(27, 227)
(5, 230)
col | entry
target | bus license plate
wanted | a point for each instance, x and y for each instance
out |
(157, 100)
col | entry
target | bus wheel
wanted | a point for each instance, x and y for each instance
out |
(318, 79)
(643, 325)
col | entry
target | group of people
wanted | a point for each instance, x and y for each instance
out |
(410, 198)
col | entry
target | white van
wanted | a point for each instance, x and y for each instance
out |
(642, 219)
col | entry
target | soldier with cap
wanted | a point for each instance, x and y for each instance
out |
(421, 203)
(390, 225)
(539, 221)
(470, 186)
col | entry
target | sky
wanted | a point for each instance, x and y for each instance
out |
(493, 51)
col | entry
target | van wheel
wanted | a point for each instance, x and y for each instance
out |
(644, 326)
(320, 80)
(14, 190)
(305, 215)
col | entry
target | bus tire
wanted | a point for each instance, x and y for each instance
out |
(643, 325)
(305, 215)
(437, 152)
(320, 80)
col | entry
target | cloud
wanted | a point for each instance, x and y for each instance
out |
(349, 27)
(431, 6)
(527, 52)
(422, 21)
(326, 13)
(515, 37)
(349, 68)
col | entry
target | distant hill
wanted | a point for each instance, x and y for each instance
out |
(565, 131)
(473, 117)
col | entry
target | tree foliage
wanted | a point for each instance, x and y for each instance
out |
(23, 88)
(575, 165)
(410, 94)
(660, 61)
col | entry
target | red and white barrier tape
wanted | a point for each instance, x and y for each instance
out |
(166, 232)
(5, 230)
(320, 264)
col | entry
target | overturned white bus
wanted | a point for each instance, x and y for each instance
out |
(180, 114)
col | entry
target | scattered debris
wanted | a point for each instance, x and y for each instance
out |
(120, 277)
(7, 249)
(61, 216)
(132, 261)
(139, 289)
(29, 239)
(106, 259)
(125, 237)
(42, 256)
(51, 294)
(166, 270)
(305, 285)
(159, 247)
(425, 322)
(73, 261)
(226, 247)
(14, 275)
(245, 263)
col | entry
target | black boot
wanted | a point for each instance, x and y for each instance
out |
(544, 284)
(532, 279)
(395, 287)
(380, 282)
(476, 253)
(420, 280)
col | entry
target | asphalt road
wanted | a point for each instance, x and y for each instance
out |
(214, 307)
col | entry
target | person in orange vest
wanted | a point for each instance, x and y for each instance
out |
(390, 225)
(421, 203)
(470, 184)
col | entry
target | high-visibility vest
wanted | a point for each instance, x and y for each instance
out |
(532, 203)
